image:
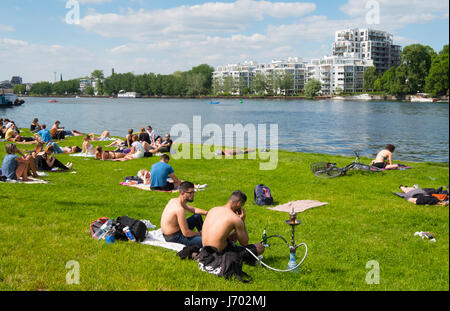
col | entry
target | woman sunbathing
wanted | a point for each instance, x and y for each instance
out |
(87, 147)
(69, 149)
(101, 154)
(382, 156)
(46, 161)
(104, 136)
(137, 150)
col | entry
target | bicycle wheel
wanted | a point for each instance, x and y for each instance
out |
(365, 167)
(330, 172)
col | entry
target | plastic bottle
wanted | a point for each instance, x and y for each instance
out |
(101, 232)
(129, 235)
(425, 234)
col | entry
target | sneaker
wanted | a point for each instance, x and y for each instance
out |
(69, 166)
(202, 186)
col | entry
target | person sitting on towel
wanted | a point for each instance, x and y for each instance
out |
(159, 172)
(224, 225)
(174, 225)
(382, 156)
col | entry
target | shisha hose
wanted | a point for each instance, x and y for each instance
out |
(279, 270)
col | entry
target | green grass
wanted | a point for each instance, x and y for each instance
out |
(42, 227)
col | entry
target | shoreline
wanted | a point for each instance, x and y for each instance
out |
(384, 97)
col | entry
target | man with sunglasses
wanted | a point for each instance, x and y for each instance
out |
(174, 225)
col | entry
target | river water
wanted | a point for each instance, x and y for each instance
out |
(420, 131)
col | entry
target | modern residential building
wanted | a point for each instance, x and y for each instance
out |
(368, 44)
(240, 76)
(16, 80)
(338, 73)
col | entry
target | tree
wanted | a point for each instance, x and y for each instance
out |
(259, 84)
(370, 76)
(312, 87)
(417, 59)
(436, 83)
(97, 74)
(19, 89)
(89, 90)
(282, 82)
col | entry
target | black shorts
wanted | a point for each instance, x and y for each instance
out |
(170, 186)
(379, 164)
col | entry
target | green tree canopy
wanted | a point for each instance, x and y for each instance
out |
(436, 83)
(312, 87)
(417, 59)
(370, 76)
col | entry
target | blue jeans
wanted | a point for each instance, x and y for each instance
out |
(55, 147)
(195, 221)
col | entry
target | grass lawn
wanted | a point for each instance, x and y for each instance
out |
(44, 226)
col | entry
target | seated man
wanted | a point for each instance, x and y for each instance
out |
(43, 135)
(174, 225)
(164, 146)
(160, 172)
(225, 224)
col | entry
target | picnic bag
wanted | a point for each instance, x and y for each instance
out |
(137, 227)
(96, 224)
(262, 195)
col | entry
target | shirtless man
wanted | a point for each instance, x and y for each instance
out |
(226, 224)
(174, 225)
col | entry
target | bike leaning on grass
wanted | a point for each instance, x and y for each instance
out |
(330, 170)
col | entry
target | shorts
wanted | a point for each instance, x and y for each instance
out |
(379, 164)
(169, 187)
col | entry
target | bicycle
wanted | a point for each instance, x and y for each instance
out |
(330, 170)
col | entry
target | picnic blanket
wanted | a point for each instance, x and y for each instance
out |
(143, 187)
(82, 155)
(298, 206)
(31, 181)
(400, 167)
(155, 238)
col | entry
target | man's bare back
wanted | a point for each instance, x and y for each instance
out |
(219, 223)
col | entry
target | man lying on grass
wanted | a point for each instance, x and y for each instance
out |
(174, 225)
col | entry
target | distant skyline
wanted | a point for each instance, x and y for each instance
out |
(39, 38)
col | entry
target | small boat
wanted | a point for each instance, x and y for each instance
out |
(420, 98)
(124, 94)
(338, 98)
(9, 99)
(214, 103)
(362, 97)
(53, 101)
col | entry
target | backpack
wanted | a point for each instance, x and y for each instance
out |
(262, 195)
(137, 227)
(96, 224)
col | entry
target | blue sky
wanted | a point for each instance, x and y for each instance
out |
(157, 36)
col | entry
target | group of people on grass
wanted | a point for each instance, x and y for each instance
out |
(146, 143)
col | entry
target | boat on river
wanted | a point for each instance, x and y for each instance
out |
(53, 101)
(421, 98)
(124, 94)
(214, 103)
(10, 99)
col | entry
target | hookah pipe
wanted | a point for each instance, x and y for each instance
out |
(292, 265)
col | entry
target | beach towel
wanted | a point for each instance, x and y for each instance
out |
(400, 167)
(31, 181)
(82, 155)
(143, 187)
(298, 206)
(155, 238)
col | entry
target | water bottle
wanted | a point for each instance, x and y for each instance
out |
(129, 235)
(101, 232)
(425, 234)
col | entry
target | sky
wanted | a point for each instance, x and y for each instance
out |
(39, 38)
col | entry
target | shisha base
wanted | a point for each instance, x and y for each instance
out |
(293, 263)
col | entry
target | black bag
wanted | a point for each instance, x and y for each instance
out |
(262, 195)
(137, 227)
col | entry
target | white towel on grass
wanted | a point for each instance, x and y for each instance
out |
(82, 155)
(155, 238)
(31, 181)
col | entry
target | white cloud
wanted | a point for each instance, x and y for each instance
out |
(208, 18)
(6, 28)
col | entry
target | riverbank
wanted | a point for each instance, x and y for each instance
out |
(46, 226)
(382, 97)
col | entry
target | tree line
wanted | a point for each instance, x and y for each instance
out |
(421, 70)
(197, 81)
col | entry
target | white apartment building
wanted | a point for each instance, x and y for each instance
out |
(336, 73)
(243, 74)
(368, 44)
